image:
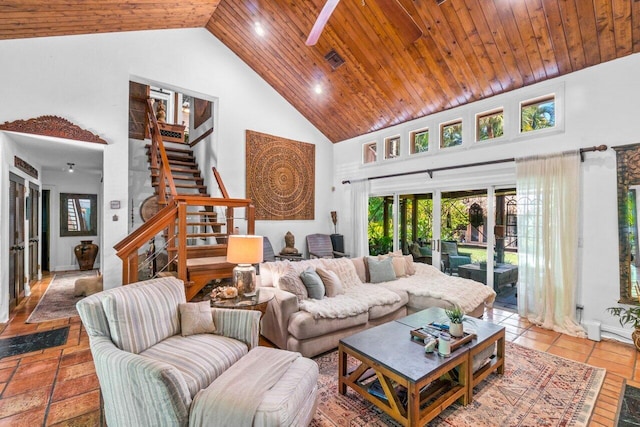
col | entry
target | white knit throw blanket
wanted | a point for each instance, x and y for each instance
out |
(233, 398)
(431, 282)
(356, 299)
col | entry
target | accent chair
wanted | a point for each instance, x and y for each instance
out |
(452, 257)
(320, 246)
(162, 362)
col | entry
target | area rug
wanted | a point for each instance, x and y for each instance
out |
(629, 414)
(58, 301)
(537, 389)
(33, 342)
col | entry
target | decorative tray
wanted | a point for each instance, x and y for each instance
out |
(433, 331)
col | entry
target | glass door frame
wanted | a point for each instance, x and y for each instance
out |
(436, 243)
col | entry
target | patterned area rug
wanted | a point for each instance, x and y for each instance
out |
(537, 389)
(58, 301)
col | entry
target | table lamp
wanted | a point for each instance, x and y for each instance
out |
(244, 251)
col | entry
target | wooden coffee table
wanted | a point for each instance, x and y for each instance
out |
(487, 334)
(387, 353)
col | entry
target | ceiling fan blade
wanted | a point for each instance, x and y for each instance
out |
(406, 27)
(325, 13)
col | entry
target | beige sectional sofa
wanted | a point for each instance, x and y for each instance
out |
(312, 326)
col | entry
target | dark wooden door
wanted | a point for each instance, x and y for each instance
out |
(16, 240)
(33, 209)
(138, 94)
(44, 262)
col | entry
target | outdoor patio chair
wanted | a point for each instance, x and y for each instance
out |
(453, 258)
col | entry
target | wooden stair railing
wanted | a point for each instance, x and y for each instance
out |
(196, 265)
(127, 249)
(207, 262)
(158, 151)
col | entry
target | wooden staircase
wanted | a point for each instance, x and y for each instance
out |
(184, 169)
(194, 226)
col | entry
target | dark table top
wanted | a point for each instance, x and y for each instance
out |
(482, 329)
(390, 345)
(499, 268)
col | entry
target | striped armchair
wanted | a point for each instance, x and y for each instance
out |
(149, 373)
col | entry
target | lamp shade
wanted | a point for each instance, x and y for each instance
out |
(244, 249)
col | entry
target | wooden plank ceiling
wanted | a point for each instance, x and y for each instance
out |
(469, 50)
(43, 18)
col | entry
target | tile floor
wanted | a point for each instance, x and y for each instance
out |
(58, 386)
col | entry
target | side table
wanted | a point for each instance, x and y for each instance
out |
(259, 302)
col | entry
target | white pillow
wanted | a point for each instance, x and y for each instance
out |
(196, 318)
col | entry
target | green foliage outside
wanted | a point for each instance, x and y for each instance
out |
(455, 217)
(378, 242)
(421, 141)
(451, 135)
(538, 116)
(491, 126)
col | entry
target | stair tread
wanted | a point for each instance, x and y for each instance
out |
(155, 184)
(181, 178)
(180, 150)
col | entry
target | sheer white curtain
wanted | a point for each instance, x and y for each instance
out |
(548, 208)
(360, 217)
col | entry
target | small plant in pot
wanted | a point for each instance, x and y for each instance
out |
(455, 316)
(628, 316)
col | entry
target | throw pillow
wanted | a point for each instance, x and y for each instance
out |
(313, 283)
(291, 282)
(361, 268)
(332, 284)
(345, 270)
(415, 250)
(381, 270)
(397, 261)
(396, 253)
(409, 267)
(399, 264)
(196, 318)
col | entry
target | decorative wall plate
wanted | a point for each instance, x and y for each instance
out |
(149, 208)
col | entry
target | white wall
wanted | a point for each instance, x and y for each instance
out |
(598, 105)
(85, 79)
(8, 150)
(61, 253)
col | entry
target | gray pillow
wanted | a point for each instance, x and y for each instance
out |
(381, 270)
(313, 283)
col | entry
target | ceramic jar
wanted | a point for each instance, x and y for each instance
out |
(86, 253)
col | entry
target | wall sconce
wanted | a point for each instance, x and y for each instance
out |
(71, 167)
(244, 251)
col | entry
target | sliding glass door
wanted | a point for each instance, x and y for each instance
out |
(404, 222)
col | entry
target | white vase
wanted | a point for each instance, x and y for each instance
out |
(455, 329)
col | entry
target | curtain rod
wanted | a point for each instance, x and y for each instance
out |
(468, 165)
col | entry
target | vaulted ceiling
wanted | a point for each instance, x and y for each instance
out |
(468, 50)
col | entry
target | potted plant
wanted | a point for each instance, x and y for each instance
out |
(630, 315)
(455, 316)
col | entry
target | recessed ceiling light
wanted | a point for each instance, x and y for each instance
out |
(318, 89)
(258, 29)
